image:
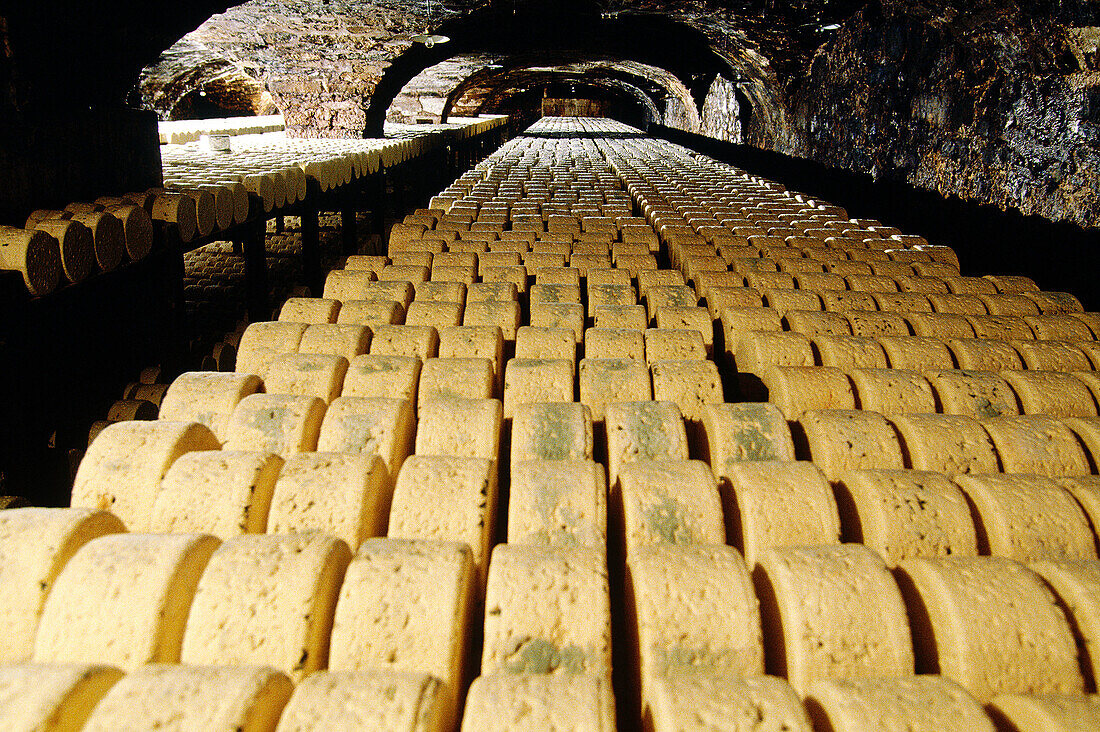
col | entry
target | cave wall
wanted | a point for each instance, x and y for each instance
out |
(989, 101)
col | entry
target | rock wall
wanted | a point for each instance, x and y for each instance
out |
(721, 113)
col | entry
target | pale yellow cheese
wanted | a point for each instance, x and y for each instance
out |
(53, 697)
(335, 339)
(438, 314)
(1086, 491)
(267, 600)
(939, 325)
(614, 343)
(643, 431)
(916, 353)
(208, 398)
(392, 377)
(1046, 712)
(694, 613)
(915, 704)
(545, 342)
(371, 313)
(447, 499)
(707, 701)
(850, 440)
(307, 374)
(893, 391)
(1076, 584)
(875, 325)
(848, 352)
(35, 545)
(163, 696)
(947, 443)
(459, 427)
(262, 342)
(687, 318)
(610, 295)
(533, 703)
(734, 433)
(547, 611)
(630, 317)
(989, 624)
(667, 502)
(557, 293)
(406, 606)
(471, 341)
(280, 423)
(504, 314)
(558, 502)
(349, 701)
(309, 310)
(421, 341)
(557, 315)
(370, 426)
(122, 470)
(757, 351)
(770, 504)
(491, 292)
(123, 599)
(797, 389)
(1038, 445)
(999, 327)
(218, 492)
(607, 380)
(451, 378)
(673, 345)
(440, 290)
(551, 431)
(658, 296)
(528, 380)
(978, 394)
(1027, 518)
(1051, 393)
(691, 385)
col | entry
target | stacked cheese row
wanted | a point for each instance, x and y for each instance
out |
(663, 548)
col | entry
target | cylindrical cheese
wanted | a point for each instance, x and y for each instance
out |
(108, 238)
(1059, 328)
(207, 398)
(161, 696)
(1051, 393)
(748, 431)
(759, 350)
(507, 702)
(371, 313)
(34, 254)
(36, 544)
(456, 378)
(369, 426)
(893, 391)
(667, 502)
(458, 427)
(558, 502)
(643, 431)
(546, 342)
(1027, 518)
(360, 700)
(978, 394)
(123, 599)
(373, 376)
(335, 339)
(946, 443)
(75, 245)
(795, 390)
(137, 229)
(280, 423)
(551, 431)
(1045, 712)
(306, 374)
(1036, 445)
(123, 468)
(999, 327)
(421, 341)
(262, 342)
(529, 380)
(939, 325)
(690, 384)
(916, 704)
(831, 612)
(700, 701)
(1076, 584)
(989, 624)
(56, 697)
(976, 354)
(847, 352)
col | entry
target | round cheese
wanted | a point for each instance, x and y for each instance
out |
(459, 427)
(667, 502)
(334, 339)
(390, 377)
(280, 423)
(369, 426)
(702, 701)
(643, 431)
(558, 502)
(506, 702)
(977, 394)
(1046, 712)
(207, 398)
(1076, 584)
(1036, 445)
(946, 443)
(55, 697)
(306, 374)
(915, 704)
(546, 342)
(893, 391)
(365, 700)
(1051, 393)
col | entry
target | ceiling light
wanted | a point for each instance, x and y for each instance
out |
(430, 39)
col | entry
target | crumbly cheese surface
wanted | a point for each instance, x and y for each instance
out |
(550, 703)
(916, 352)
(122, 469)
(643, 431)
(369, 426)
(849, 352)
(551, 431)
(840, 612)
(1037, 445)
(529, 380)
(851, 440)
(163, 696)
(35, 545)
(977, 394)
(309, 310)
(759, 350)
(744, 432)
(669, 502)
(558, 502)
(504, 314)
(989, 624)
(335, 339)
(261, 342)
(947, 443)
(797, 389)
(606, 380)
(267, 600)
(345, 701)
(778, 504)
(283, 424)
(208, 398)
(985, 354)
(51, 696)
(219, 492)
(464, 378)
(459, 428)
(547, 611)
(893, 391)
(1076, 584)
(545, 342)
(343, 495)
(123, 599)
(1051, 393)
(708, 701)
(614, 343)
(691, 385)
(421, 341)
(916, 704)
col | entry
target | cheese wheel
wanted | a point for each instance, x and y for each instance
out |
(404, 273)
(612, 380)
(843, 301)
(946, 443)
(547, 611)
(371, 313)
(797, 389)
(687, 318)
(374, 376)
(1092, 320)
(331, 339)
(1045, 712)
(1051, 393)
(399, 291)
(369, 426)
(129, 409)
(160, 696)
(347, 284)
(615, 343)
(35, 254)
(1052, 356)
(673, 345)
(123, 468)
(872, 283)
(694, 612)
(770, 504)
(343, 701)
(1076, 584)
(529, 380)
(306, 374)
(1086, 491)
(551, 431)
(1037, 445)
(893, 391)
(643, 431)
(747, 431)
(435, 314)
(1005, 304)
(421, 341)
(440, 290)
(36, 544)
(1055, 303)
(506, 702)
(491, 292)
(984, 354)
(757, 351)
(447, 499)
(471, 341)
(690, 384)
(568, 316)
(262, 342)
(958, 304)
(978, 394)
(785, 300)
(456, 378)
(557, 275)
(667, 502)
(698, 702)
(405, 606)
(1000, 327)
(916, 353)
(610, 295)
(545, 342)
(876, 325)
(831, 612)
(915, 704)
(108, 238)
(939, 325)
(850, 440)
(558, 502)
(558, 293)
(848, 352)
(1059, 328)
(658, 296)
(610, 276)
(219, 492)
(137, 229)
(1027, 518)
(56, 697)
(970, 285)
(631, 317)
(123, 599)
(74, 240)
(817, 323)
(503, 314)
(458, 427)
(267, 600)
(515, 274)
(989, 624)
(280, 423)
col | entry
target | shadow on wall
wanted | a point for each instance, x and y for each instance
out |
(1057, 255)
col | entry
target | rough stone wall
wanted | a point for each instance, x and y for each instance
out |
(989, 103)
(721, 114)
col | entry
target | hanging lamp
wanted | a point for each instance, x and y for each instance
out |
(429, 39)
